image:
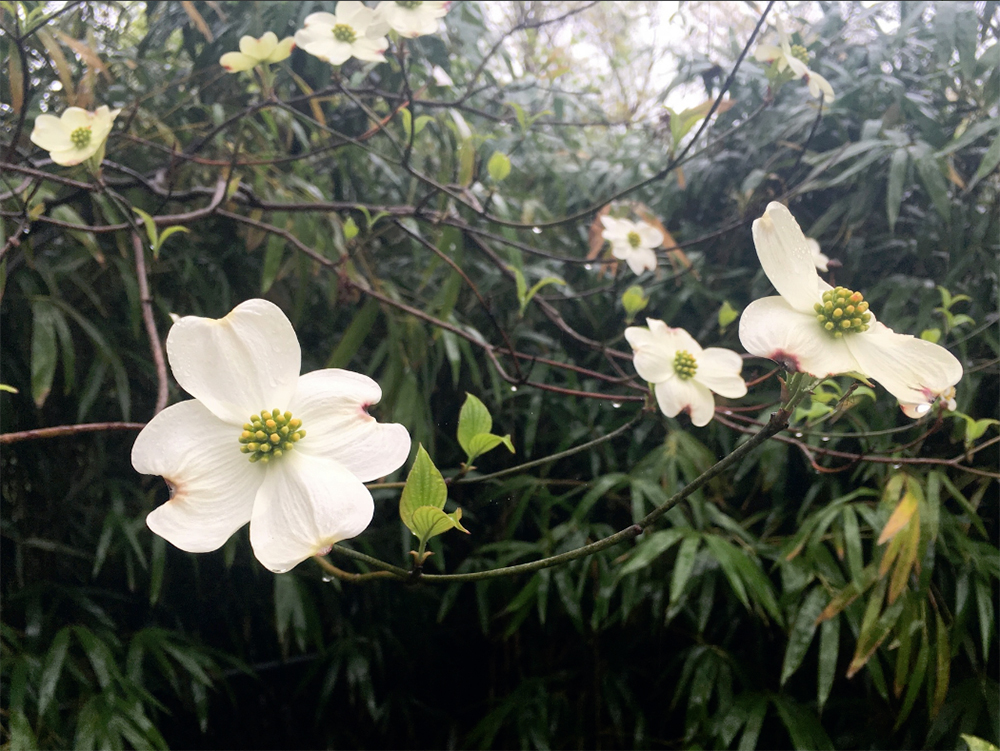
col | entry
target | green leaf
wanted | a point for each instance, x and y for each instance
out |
(424, 487)
(21, 735)
(54, 660)
(350, 229)
(934, 182)
(537, 286)
(978, 744)
(683, 567)
(273, 257)
(9, 389)
(802, 633)
(991, 159)
(943, 654)
(473, 420)
(522, 286)
(649, 549)
(727, 314)
(430, 521)
(355, 335)
(164, 235)
(829, 647)
(484, 442)
(894, 190)
(44, 354)
(466, 162)
(150, 226)
(633, 300)
(931, 335)
(498, 166)
(802, 725)
(289, 610)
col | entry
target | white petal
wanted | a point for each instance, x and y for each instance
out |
(653, 362)
(77, 117)
(332, 406)
(770, 328)
(650, 236)
(799, 68)
(213, 483)
(819, 85)
(676, 395)
(305, 505)
(282, 50)
(236, 62)
(913, 370)
(370, 50)
(719, 369)
(50, 134)
(321, 19)
(237, 365)
(638, 259)
(674, 339)
(786, 258)
(767, 53)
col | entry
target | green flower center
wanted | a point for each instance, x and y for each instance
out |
(80, 137)
(684, 364)
(409, 4)
(843, 311)
(800, 53)
(270, 434)
(633, 239)
(344, 33)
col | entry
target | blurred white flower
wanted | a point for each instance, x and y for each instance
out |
(820, 259)
(412, 19)
(632, 242)
(823, 331)
(682, 373)
(253, 52)
(352, 30)
(794, 58)
(76, 135)
(239, 451)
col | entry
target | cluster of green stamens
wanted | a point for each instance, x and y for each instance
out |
(409, 4)
(80, 137)
(843, 311)
(800, 53)
(270, 434)
(685, 365)
(633, 239)
(344, 33)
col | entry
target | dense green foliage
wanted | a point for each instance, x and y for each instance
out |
(762, 611)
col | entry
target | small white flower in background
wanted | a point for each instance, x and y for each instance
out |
(794, 58)
(823, 331)
(353, 30)
(820, 259)
(441, 77)
(412, 19)
(261, 444)
(76, 135)
(916, 411)
(632, 242)
(682, 373)
(253, 52)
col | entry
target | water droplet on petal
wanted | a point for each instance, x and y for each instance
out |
(825, 438)
(588, 266)
(896, 466)
(798, 435)
(616, 405)
(513, 388)
(537, 230)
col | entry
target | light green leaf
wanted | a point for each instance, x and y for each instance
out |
(473, 420)
(498, 166)
(8, 389)
(633, 300)
(430, 521)
(802, 632)
(537, 286)
(466, 162)
(350, 228)
(978, 744)
(894, 191)
(651, 548)
(991, 159)
(829, 646)
(424, 487)
(164, 235)
(727, 314)
(150, 226)
(683, 567)
(484, 442)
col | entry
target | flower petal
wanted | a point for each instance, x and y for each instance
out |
(767, 53)
(213, 483)
(677, 395)
(913, 370)
(237, 365)
(50, 134)
(819, 85)
(652, 361)
(771, 328)
(236, 62)
(77, 117)
(331, 404)
(370, 49)
(719, 369)
(305, 505)
(786, 258)
(282, 51)
(638, 259)
(649, 236)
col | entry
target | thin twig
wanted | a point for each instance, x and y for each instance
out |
(155, 345)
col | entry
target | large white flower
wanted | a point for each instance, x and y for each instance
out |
(823, 331)
(253, 52)
(261, 444)
(76, 136)
(412, 19)
(351, 31)
(786, 57)
(682, 373)
(632, 242)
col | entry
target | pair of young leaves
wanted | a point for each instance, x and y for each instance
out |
(421, 506)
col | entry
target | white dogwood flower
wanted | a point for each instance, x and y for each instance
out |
(253, 52)
(261, 444)
(682, 373)
(823, 331)
(632, 242)
(76, 135)
(353, 30)
(785, 57)
(413, 18)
